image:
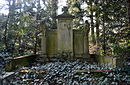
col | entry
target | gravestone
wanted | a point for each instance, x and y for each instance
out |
(65, 39)
(65, 32)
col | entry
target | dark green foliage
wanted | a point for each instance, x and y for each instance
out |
(20, 28)
(109, 18)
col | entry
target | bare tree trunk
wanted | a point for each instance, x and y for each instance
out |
(104, 37)
(92, 27)
(7, 24)
(6, 27)
(20, 46)
(97, 25)
(54, 12)
(5, 35)
(128, 1)
(87, 29)
(129, 10)
(35, 46)
(97, 32)
(129, 22)
(43, 42)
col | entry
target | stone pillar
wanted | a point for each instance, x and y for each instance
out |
(43, 40)
(65, 32)
(86, 38)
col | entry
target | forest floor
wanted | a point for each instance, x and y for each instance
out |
(68, 73)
